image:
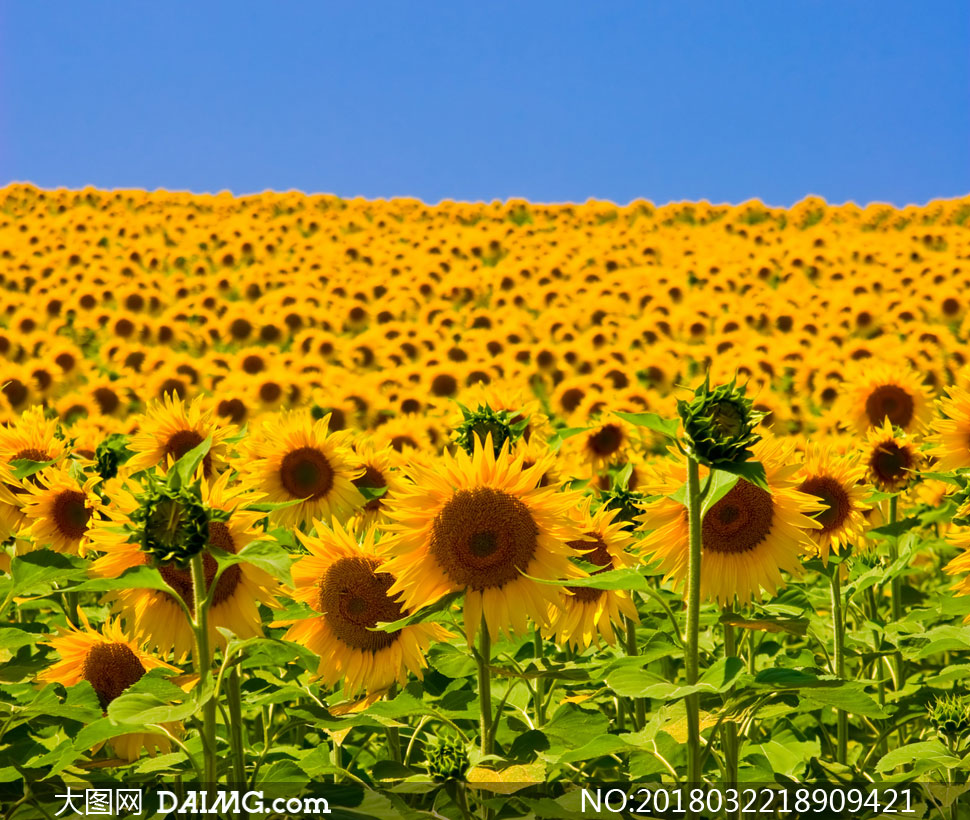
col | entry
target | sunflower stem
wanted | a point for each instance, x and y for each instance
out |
(203, 662)
(540, 683)
(896, 592)
(234, 699)
(691, 659)
(639, 704)
(838, 625)
(730, 728)
(71, 608)
(485, 687)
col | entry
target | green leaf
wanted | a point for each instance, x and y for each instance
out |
(793, 626)
(143, 577)
(26, 467)
(13, 637)
(421, 615)
(721, 483)
(139, 709)
(450, 661)
(272, 506)
(666, 427)
(849, 697)
(186, 466)
(751, 471)
(36, 572)
(628, 578)
(160, 763)
(930, 755)
(266, 555)
(786, 752)
(895, 529)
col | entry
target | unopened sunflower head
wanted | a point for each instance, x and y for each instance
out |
(503, 425)
(719, 424)
(446, 758)
(951, 716)
(172, 522)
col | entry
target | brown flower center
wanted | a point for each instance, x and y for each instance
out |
(306, 473)
(596, 553)
(892, 402)
(483, 538)
(353, 599)
(372, 479)
(70, 514)
(606, 441)
(111, 668)
(739, 521)
(182, 442)
(107, 400)
(181, 579)
(836, 500)
(890, 463)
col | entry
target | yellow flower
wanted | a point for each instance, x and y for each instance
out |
(57, 511)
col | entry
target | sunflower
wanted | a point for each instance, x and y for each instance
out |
(379, 474)
(585, 613)
(479, 524)
(837, 482)
(170, 428)
(295, 458)
(951, 434)
(961, 564)
(892, 459)
(888, 392)
(58, 511)
(604, 444)
(110, 663)
(749, 537)
(153, 613)
(347, 583)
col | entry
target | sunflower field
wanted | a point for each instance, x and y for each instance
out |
(455, 511)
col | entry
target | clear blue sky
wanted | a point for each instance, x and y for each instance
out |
(666, 100)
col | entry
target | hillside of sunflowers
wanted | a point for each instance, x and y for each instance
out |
(456, 510)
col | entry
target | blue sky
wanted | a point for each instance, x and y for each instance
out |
(553, 101)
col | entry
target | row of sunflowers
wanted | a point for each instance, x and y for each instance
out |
(383, 493)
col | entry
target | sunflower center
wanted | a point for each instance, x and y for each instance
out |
(111, 668)
(833, 496)
(400, 442)
(181, 579)
(70, 514)
(306, 473)
(890, 462)
(354, 599)
(728, 419)
(606, 440)
(892, 402)
(483, 538)
(739, 521)
(596, 553)
(32, 454)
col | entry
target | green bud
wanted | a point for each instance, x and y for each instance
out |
(503, 425)
(719, 424)
(110, 454)
(445, 758)
(628, 502)
(172, 524)
(950, 715)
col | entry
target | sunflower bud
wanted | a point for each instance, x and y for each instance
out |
(628, 502)
(503, 425)
(110, 454)
(719, 424)
(951, 716)
(172, 524)
(446, 758)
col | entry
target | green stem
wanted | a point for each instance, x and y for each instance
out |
(203, 664)
(639, 704)
(539, 690)
(71, 608)
(838, 625)
(485, 687)
(896, 592)
(234, 700)
(730, 727)
(691, 658)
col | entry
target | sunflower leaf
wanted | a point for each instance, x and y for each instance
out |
(26, 467)
(272, 506)
(895, 529)
(627, 578)
(265, 555)
(555, 442)
(421, 615)
(186, 466)
(666, 427)
(372, 493)
(141, 708)
(143, 577)
(751, 471)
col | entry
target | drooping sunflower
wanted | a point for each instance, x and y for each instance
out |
(110, 662)
(170, 428)
(951, 433)
(479, 524)
(892, 459)
(153, 613)
(346, 582)
(57, 511)
(884, 392)
(585, 614)
(837, 481)
(294, 458)
(749, 537)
